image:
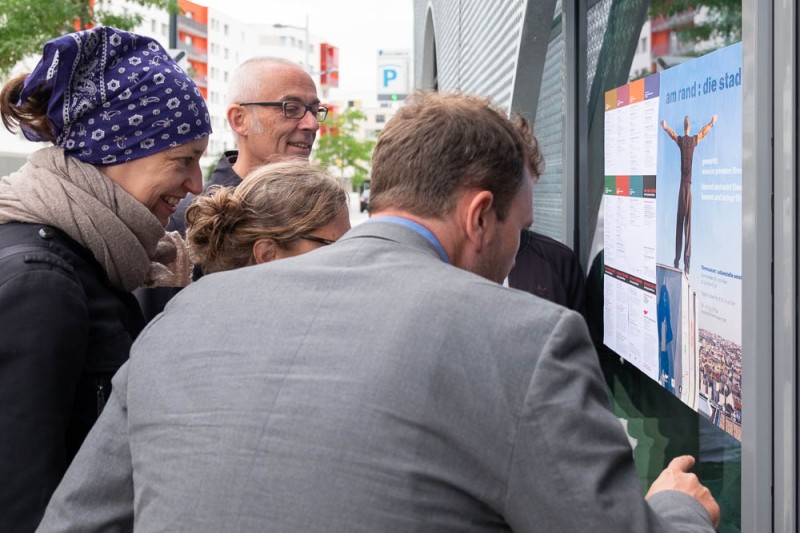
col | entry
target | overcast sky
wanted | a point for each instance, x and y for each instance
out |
(358, 27)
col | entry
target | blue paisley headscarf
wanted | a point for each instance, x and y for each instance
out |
(116, 96)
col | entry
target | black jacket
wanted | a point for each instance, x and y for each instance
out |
(64, 332)
(153, 301)
(549, 269)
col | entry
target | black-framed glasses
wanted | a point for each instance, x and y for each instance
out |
(314, 238)
(295, 110)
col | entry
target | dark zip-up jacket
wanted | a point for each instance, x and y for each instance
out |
(64, 332)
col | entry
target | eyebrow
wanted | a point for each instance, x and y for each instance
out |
(181, 153)
(294, 98)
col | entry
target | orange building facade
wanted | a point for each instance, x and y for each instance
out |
(192, 26)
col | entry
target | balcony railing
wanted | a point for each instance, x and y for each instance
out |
(678, 20)
(194, 53)
(192, 26)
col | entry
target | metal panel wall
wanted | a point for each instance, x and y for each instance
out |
(757, 346)
(548, 192)
(785, 349)
(476, 45)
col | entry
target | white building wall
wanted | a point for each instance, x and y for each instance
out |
(229, 41)
(642, 58)
(155, 22)
(378, 114)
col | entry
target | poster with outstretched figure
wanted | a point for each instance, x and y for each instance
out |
(682, 324)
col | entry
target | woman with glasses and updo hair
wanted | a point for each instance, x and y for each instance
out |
(280, 210)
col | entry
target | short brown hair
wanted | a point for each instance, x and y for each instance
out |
(439, 144)
(279, 201)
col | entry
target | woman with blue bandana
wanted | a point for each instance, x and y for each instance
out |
(81, 226)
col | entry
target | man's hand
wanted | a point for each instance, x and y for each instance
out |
(664, 124)
(677, 477)
(714, 120)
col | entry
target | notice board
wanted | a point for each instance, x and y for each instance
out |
(672, 211)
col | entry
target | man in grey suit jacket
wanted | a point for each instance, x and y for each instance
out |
(387, 382)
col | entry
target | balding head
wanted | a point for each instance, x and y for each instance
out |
(245, 84)
(263, 133)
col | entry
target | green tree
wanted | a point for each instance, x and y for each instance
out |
(26, 25)
(723, 21)
(340, 149)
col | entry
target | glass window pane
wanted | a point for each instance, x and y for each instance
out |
(628, 40)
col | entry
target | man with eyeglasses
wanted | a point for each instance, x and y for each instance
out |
(387, 382)
(274, 113)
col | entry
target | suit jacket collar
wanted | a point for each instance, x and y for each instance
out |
(394, 232)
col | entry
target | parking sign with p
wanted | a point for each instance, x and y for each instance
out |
(393, 74)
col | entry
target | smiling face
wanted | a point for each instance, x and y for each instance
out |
(269, 132)
(161, 180)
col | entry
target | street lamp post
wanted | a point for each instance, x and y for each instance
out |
(305, 44)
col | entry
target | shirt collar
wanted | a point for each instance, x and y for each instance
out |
(419, 228)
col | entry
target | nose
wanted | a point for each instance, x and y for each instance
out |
(194, 181)
(309, 122)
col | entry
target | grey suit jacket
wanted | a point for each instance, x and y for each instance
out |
(367, 386)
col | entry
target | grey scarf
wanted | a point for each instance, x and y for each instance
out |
(124, 236)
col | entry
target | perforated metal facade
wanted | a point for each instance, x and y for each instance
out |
(548, 200)
(476, 45)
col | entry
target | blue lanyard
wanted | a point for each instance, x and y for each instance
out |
(422, 230)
